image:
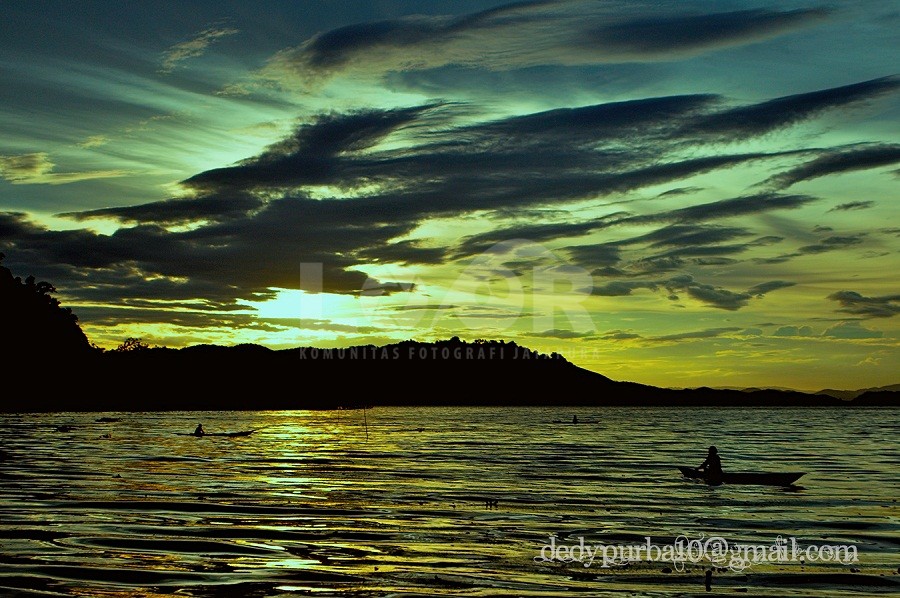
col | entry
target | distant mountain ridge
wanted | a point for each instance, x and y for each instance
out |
(852, 394)
(846, 395)
(408, 373)
(51, 366)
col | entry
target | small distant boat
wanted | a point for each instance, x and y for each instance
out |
(761, 479)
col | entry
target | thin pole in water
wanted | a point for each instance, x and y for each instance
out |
(366, 422)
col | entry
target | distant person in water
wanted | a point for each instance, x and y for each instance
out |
(713, 464)
(199, 430)
(574, 419)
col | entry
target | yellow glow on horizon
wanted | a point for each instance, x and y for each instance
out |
(292, 303)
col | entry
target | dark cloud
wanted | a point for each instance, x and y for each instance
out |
(619, 335)
(711, 255)
(832, 243)
(852, 205)
(593, 123)
(531, 160)
(377, 289)
(177, 211)
(561, 334)
(38, 169)
(776, 259)
(834, 162)
(767, 287)
(620, 288)
(594, 256)
(404, 252)
(696, 334)
(316, 154)
(718, 261)
(697, 244)
(246, 230)
(686, 35)
(476, 312)
(654, 265)
(680, 235)
(884, 306)
(112, 315)
(713, 296)
(224, 261)
(433, 306)
(757, 119)
(718, 297)
(14, 224)
(525, 34)
(729, 208)
(523, 161)
(680, 191)
(317, 324)
(726, 208)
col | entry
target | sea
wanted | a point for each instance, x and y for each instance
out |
(446, 501)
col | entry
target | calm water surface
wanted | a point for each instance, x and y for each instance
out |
(308, 505)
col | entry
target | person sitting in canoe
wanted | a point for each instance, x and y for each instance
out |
(199, 430)
(712, 467)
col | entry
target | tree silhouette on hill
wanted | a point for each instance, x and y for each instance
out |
(33, 322)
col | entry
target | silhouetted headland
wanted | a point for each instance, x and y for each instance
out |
(51, 366)
(450, 372)
(33, 324)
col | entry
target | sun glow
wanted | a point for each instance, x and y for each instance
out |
(292, 303)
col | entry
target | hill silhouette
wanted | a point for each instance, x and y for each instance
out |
(32, 321)
(408, 373)
(39, 333)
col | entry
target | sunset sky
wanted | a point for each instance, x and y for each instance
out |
(675, 193)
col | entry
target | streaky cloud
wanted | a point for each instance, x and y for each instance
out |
(688, 35)
(827, 244)
(176, 211)
(526, 34)
(836, 162)
(852, 205)
(851, 302)
(832, 243)
(710, 295)
(37, 169)
(622, 288)
(695, 334)
(592, 123)
(312, 155)
(194, 47)
(726, 208)
(764, 117)
(729, 208)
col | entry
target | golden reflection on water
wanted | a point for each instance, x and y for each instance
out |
(306, 503)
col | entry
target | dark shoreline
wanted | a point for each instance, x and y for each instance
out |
(410, 373)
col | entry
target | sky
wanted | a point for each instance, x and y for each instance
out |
(674, 193)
